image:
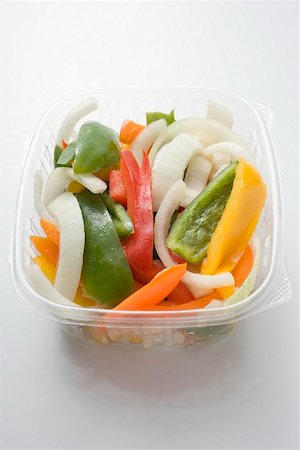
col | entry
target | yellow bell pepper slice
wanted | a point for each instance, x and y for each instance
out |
(226, 291)
(48, 269)
(81, 300)
(238, 221)
(75, 187)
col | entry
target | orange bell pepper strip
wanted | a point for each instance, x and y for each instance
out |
(238, 221)
(181, 294)
(46, 247)
(195, 304)
(51, 230)
(243, 268)
(129, 131)
(155, 291)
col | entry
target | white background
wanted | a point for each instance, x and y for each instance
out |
(239, 393)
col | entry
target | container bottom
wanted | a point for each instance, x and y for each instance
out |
(149, 338)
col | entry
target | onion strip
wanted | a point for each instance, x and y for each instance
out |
(230, 151)
(208, 132)
(44, 288)
(196, 178)
(79, 111)
(59, 179)
(146, 137)
(38, 189)
(170, 164)
(66, 210)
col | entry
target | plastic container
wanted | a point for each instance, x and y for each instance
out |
(252, 123)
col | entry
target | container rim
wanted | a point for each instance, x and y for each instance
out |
(233, 312)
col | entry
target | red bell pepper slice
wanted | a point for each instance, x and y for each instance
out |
(139, 246)
(117, 189)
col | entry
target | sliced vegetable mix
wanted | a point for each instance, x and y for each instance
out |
(96, 212)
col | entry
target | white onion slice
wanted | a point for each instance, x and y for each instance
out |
(66, 210)
(219, 159)
(44, 288)
(196, 178)
(78, 112)
(59, 179)
(218, 112)
(38, 188)
(198, 284)
(146, 137)
(163, 219)
(208, 132)
(170, 164)
(231, 152)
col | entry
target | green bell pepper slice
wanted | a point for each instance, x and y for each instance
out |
(97, 147)
(119, 216)
(67, 156)
(57, 153)
(106, 275)
(192, 231)
(153, 116)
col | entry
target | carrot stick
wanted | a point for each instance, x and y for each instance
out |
(50, 230)
(155, 291)
(129, 131)
(46, 247)
(243, 267)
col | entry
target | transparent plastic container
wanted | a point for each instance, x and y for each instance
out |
(252, 123)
